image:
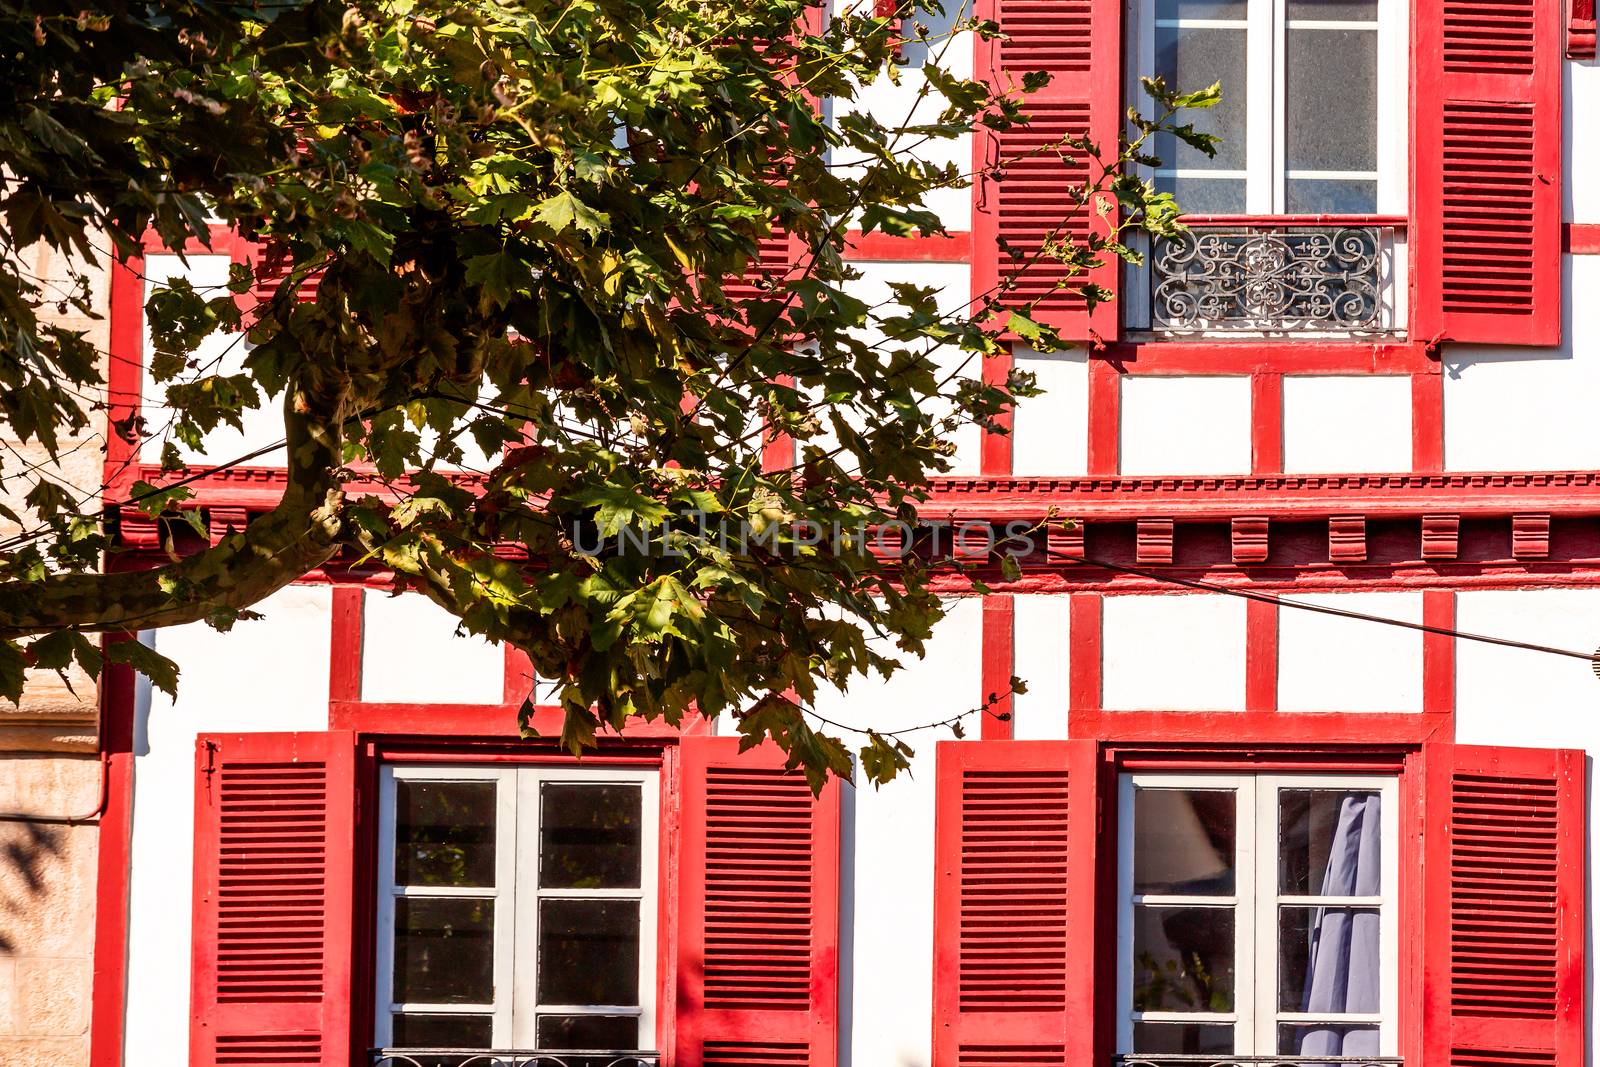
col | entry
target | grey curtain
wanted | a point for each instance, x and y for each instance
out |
(1342, 971)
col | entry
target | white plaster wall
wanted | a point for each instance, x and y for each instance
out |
(886, 921)
(266, 675)
(1581, 144)
(1529, 408)
(1185, 425)
(218, 354)
(953, 281)
(1315, 651)
(1041, 643)
(1346, 423)
(411, 653)
(1173, 652)
(1050, 432)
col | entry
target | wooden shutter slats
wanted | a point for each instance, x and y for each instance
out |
(274, 856)
(758, 905)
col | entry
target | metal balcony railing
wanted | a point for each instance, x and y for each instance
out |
(1163, 1059)
(1276, 277)
(477, 1057)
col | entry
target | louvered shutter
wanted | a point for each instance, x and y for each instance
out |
(1014, 904)
(274, 842)
(271, 267)
(1503, 908)
(758, 936)
(1485, 237)
(1079, 42)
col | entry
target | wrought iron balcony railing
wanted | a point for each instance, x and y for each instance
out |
(1274, 277)
(477, 1057)
(1185, 1059)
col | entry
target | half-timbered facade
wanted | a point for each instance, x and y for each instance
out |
(1215, 826)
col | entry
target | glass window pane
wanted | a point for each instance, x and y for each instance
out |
(1334, 10)
(618, 1033)
(442, 1031)
(589, 836)
(1328, 196)
(1331, 92)
(1328, 959)
(589, 952)
(443, 950)
(1201, 9)
(1183, 841)
(1190, 59)
(1192, 1038)
(444, 833)
(1330, 843)
(1182, 958)
(1204, 196)
(1320, 1039)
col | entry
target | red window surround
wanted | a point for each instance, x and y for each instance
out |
(1492, 896)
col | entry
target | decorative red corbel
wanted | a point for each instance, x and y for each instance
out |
(1581, 29)
(222, 521)
(1441, 536)
(1064, 542)
(1153, 541)
(1530, 536)
(1250, 539)
(1347, 538)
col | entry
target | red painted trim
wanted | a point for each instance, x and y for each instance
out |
(1084, 664)
(1581, 238)
(1104, 417)
(1266, 422)
(1268, 221)
(1261, 656)
(886, 248)
(1427, 420)
(472, 720)
(125, 373)
(345, 645)
(1439, 660)
(999, 663)
(1262, 759)
(112, 869)
(1256, 727)
(995, 455)
(1280, 357)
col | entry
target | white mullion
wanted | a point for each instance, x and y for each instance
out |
(1389, 920)
(1125, 1013)
(524, 1033)
(1278, 43)
(430, 1008)
(383, 969)
(1266, 915)
(1245, 970)
(506, 844)
(1330, 24)
(1261, 106)
(1394, 58)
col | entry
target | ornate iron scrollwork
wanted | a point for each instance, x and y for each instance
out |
(1270, 280)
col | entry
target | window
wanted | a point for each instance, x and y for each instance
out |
(1314, 104)
(1256, 915)
(516, 908)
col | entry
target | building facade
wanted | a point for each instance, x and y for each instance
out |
(1216, 825)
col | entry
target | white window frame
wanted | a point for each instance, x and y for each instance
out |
(1266, 23)
(515, 1008)
(1256, 899)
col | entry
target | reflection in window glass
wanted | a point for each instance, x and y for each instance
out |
(589, 952)
(1181, 1038)
(444, 833)
(1183, 958)
(589, 836)
(1329, 843)
(443, 950)
(1184, 841)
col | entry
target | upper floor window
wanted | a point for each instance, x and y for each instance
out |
(516, 909)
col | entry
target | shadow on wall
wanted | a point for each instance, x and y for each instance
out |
(29, 850)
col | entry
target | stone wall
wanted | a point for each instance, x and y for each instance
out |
(50, 771)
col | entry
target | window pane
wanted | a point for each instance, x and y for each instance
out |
(1331, 91)
(1183, 1037)
(1204, 196)
(1200, 9)
(444, 833)
(589, 952)
(1328, 959)
(1320, 1039)
(443, 950)
(1328, 196)
(1190, 59)
(589, 836)
(1329, 843)
(618, 1033)
(1183, 841)
(1334, 10)
(442, 1031)
(1182, 958)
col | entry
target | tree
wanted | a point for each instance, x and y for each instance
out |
(533, 226)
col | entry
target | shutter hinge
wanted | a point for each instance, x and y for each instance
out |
(208, 765)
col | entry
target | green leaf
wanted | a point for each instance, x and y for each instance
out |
(565, 210)
(162, 672)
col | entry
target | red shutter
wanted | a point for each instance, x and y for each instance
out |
(1079, 42)
(274, 848)
(758, 936)
(1485, 238)
(1503, 908)
(1014, 904)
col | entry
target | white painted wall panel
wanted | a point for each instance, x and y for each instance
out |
(1346, 424)
(1050, 432)
(1041, 641)
(266, 675)
(1185, 425)
(1529, 408)
(1326, 663)
(1179, 652)
(218, 354)
(886, 923)
(411, 653)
